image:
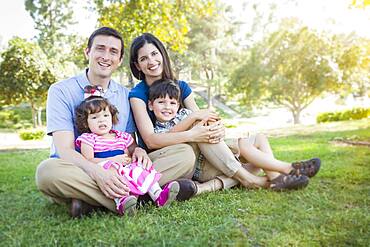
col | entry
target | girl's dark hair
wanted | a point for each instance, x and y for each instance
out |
(162, 87)
(138, 43)
(91, 105)
(106, 31)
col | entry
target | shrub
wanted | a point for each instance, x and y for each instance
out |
(353, 114)
(31, 134)
(8, 119)
(18, 117)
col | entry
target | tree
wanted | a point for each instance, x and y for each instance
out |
(360, 3)
(167, 20)
(295, 69)
(51, 19)
(211, 45)
(77, 55)
(353, 58)
(24, 76)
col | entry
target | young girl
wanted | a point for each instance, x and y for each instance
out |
(101, 144)
(164, 102)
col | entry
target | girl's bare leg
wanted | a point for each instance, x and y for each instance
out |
(261, 156)
(250, 180)
(263, 144)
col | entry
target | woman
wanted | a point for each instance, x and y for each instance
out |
(149, 61)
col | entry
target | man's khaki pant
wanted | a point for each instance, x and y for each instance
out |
(61, 180)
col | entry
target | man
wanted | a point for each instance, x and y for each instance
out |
(67, 177)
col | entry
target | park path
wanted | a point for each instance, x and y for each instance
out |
(11, 141)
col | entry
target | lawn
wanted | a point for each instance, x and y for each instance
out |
(334, 210)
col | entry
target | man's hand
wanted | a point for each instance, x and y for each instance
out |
(141, 157)
(110, 182)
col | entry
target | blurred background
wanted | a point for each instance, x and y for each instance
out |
(260, 64)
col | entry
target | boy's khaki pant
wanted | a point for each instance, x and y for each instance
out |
(221, 160)
(61, 180)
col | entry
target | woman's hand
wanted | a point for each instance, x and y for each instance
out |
(217, 132)
(141, 157)
(110, 182)
(205, 114)
(213, 133)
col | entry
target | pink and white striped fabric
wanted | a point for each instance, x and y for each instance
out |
(138, 179)
(101, 144)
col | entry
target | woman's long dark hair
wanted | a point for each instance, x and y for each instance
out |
(148, 38)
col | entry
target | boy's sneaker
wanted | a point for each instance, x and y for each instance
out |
(168, 194)
(126, 205)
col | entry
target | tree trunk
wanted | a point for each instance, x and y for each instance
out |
(34, 116)
(296, 116)
(177, 72)
(130, 80)
(209, 88)
(39, 116)
(209, 76)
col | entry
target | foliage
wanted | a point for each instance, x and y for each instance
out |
(31, 134)
(25, 76)
(51, 19)
(290, 68)
(8, 119)
(19, 117)
(77, 54)
(353, 114)
(361, 3)
(247, 80)
(202, 104)
(332, 211)
(353, 58)
(211, 47)
(167, 20)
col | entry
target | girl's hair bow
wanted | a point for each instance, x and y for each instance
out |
(90, 90)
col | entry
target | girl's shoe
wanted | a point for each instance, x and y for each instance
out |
(308, 168)
(168, 194)
(289, 182)
(126, 205)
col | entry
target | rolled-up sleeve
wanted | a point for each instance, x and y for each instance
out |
(59, 113)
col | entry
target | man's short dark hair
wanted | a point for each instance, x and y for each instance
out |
(106, 31)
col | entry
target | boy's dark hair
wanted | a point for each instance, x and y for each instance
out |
(106, 31)
(139, 42)
(162, 87)
(91, 105)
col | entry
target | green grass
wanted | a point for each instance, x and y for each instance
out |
(334, 210)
